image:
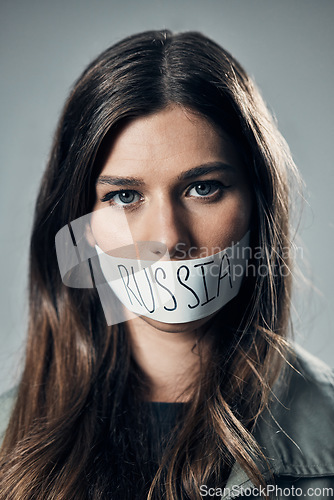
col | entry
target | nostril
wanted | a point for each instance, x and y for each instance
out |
(179, 251)
(148, 250)
(157, 252)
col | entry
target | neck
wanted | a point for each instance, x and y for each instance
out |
(171, 360)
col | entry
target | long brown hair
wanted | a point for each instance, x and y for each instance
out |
(78, 426)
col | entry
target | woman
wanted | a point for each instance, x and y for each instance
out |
(167, 135)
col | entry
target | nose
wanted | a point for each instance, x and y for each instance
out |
(165, 222)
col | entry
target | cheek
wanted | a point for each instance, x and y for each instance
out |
(236, 220)
(227, 224)
(109, 229)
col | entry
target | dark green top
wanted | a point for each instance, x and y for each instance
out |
(163, 419)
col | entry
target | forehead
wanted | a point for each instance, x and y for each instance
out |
(172, 139)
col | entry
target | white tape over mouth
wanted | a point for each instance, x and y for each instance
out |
(175, 291)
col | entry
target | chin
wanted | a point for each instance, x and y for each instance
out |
(177, 327)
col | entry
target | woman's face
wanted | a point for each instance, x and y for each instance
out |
(174, 179)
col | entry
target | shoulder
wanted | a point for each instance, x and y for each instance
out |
(312, 369)
(7, 400)
(296, 432)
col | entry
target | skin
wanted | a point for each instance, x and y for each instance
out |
(209, 210)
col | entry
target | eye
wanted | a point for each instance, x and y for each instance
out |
(205, 189)
(122, 198)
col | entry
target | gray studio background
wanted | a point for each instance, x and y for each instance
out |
(287, 45)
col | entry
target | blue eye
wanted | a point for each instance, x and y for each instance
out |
(205, 189)
(122, 198)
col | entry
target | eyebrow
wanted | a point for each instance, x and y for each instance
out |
(207, 168)
(119, 181)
